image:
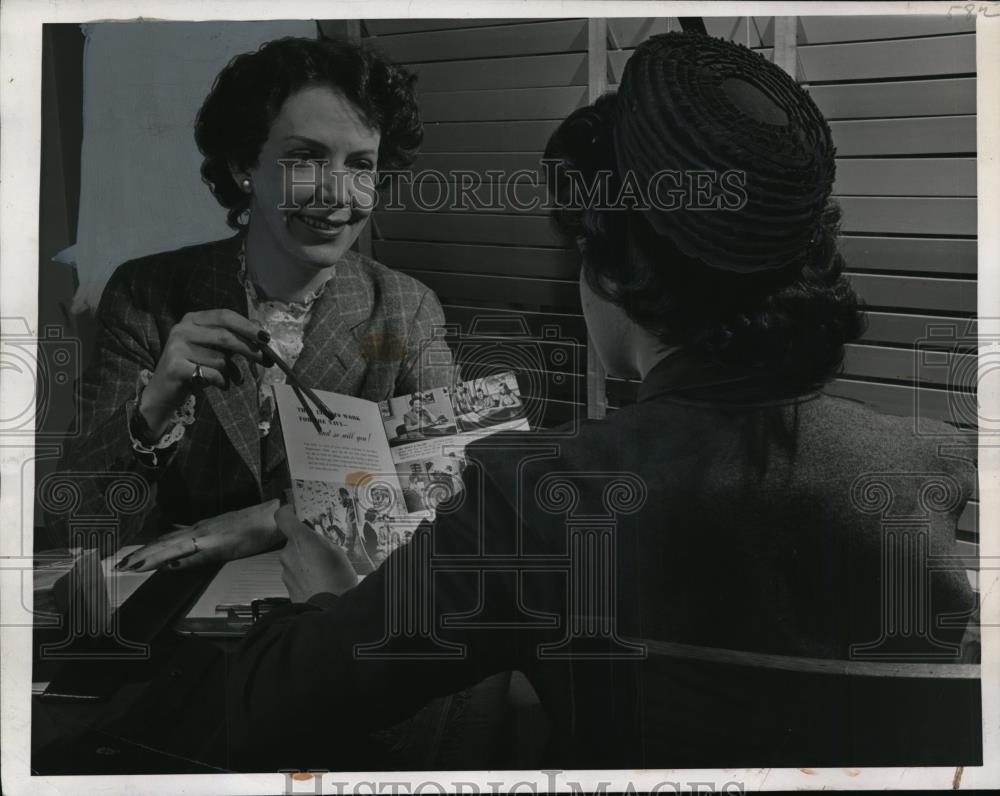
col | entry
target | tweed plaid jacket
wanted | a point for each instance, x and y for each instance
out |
(374, 333)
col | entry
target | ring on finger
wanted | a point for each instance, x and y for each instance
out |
(197, 377)
(194, 541)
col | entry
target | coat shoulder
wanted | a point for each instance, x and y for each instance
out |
(150, 274)
(388, 283)
(896, 443)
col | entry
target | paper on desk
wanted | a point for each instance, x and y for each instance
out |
(121, 585)
(241, 582)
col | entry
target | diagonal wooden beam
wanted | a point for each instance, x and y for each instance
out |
(597, 84)
(692, 24)
(364, 242)
(785, 44)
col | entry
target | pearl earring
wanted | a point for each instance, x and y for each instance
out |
(246, 185)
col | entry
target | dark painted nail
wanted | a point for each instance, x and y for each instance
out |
(265, 360)
(137, 564)
(121, 564)
(173, 564)
(264, 336)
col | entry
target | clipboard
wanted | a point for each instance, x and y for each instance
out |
(94, 674)
(240, 594)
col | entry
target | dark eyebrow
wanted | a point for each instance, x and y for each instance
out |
(320, 145)
(303, 139)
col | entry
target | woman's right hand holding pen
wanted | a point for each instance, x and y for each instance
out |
(196, 354)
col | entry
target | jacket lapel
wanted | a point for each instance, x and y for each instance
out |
(331, 357)
(216, 285)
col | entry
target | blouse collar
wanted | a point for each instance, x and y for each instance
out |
(253, 295)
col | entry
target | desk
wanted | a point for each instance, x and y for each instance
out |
(164, 712)
(145, 727)
(167, 716)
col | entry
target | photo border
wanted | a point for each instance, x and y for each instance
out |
(20, 91)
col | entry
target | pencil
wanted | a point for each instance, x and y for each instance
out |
(294, 380)
(309, 411)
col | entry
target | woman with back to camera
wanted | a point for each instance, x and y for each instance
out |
(294, 137)
(741, 536)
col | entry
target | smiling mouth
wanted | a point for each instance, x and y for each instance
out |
(321, 224)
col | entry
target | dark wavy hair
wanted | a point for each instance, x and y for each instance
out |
(236, 117)
(791, 322)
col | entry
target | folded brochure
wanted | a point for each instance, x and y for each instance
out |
(378, 469)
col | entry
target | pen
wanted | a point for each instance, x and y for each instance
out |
(253, 610)
(305, 405)
(246, 606)
(293, 380)
(237, 608)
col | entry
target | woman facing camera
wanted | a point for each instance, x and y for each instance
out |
(294, 137)
(714, 553)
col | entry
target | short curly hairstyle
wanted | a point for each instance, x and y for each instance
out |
(235, 119)
(791, 322)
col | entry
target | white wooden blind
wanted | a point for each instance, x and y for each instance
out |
(491, 92)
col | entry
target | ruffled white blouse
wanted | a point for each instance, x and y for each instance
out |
(286, 322)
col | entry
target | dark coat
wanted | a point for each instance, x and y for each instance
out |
(733, 520)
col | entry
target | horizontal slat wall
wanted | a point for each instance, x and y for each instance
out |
(490, 96)
(898, 215)
(900, 93)
(509, 230)
(826, 30)
(552, 102)
(884, 60)
(930, 135)
(529, 71)
(386, 27)
(895, 99)
(490, 41)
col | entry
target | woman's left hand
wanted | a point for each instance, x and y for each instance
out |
(310, 563)
(236, 534)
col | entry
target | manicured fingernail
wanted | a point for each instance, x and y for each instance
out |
(137, 564)
(265, 360)
(173, 564)
(264, 336)
(121, 564)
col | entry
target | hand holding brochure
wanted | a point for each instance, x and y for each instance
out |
(377, 470)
